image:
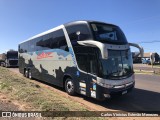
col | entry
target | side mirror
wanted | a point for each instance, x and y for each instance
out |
(92, 43)
(78, 34)
(141, 51)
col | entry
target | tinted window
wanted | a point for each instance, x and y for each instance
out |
(31, 45)
(12, 54)
(20, 50)
(92, 64)
(39, 44)
(53, 40)
(81, 61)
(63, 43)
(119, 64)
(84, 33)
(87, 63)
(23, 47)
(108, 33)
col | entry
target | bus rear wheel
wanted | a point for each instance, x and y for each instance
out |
(26, 73)
(6, 65)
(69, 86)
(29, 74)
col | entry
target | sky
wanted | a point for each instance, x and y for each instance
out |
(22, 19)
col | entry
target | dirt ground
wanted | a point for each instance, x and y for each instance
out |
(7, 104)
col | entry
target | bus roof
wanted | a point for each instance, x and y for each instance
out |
(66, 24)
(43, 33)
(86, 21)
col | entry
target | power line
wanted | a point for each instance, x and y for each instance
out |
(154, 41)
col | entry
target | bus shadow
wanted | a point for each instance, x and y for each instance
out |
(49, 84)
(137, 100)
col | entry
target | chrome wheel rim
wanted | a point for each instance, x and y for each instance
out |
(69, 86)
(30, 75)
(26, 73)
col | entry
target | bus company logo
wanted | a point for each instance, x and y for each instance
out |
(44, 55)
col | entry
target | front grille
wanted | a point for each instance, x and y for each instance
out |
(13, 62)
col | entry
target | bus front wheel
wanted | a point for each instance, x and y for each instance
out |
(69, 86)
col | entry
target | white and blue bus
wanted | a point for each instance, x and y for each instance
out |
(86, 57)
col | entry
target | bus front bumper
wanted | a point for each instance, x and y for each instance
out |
(108, 88)
(111, 92)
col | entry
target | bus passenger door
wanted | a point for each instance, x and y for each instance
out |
(88, 70)
(92, 74)
(82, 73)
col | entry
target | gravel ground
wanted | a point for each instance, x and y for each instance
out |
(8, 105)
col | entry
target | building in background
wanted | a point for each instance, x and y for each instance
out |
(147, 57)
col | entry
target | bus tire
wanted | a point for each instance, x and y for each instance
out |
(6, 65)
(29, 74)
(26, 73)
(69, 86)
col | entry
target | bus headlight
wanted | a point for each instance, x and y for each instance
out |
(107, 95)
(106, 85)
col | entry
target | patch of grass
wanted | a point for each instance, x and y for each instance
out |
(40, 98)
(148, 73)
(144, 71)
(157, 64)
(3, 86)
(158, 73)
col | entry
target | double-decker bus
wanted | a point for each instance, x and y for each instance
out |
(86, 57)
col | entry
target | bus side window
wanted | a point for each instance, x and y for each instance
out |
(81, 61)
(62, 41)
(84, 33)
(24, 48)
(40, 44)
(63, 44)
(53, 40)
(20, 49)
(58, 40)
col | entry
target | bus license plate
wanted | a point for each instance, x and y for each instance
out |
(124, 92)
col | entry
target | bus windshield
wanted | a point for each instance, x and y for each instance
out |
(13, 55)
(108, 33)
(118, 64)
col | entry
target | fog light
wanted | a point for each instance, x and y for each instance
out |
(107, 95)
